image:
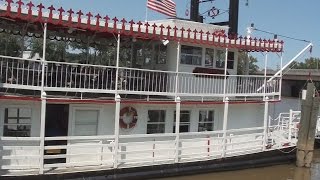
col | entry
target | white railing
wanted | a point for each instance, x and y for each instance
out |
(83, 77)
(284, 121)
(22, 72)
(249, 85)
(78, 151)
(62, 153)
(141, 150)
(284, 129)
(200, 83)
(19, 153)
(200, 145)
(154, 82)
(75, 77)
(244, 141)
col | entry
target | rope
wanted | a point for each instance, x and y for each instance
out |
(288, 37)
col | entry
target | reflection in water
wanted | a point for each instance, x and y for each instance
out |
(280, 172)
(302, 174)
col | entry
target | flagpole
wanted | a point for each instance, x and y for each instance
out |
(146, 11)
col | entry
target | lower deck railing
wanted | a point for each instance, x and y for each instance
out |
(21, 156)
(19, 73)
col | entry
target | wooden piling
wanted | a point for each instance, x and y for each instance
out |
(308, 122)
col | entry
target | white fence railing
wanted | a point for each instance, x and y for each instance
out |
(78, 151)
(285, 127)
(75, 77)
(62, 153)
(19, 153)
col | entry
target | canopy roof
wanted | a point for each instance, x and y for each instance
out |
(17, 13)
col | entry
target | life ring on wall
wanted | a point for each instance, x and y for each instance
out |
(128, 117)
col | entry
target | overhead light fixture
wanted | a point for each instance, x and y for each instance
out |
(165, 42)
(70, 30)
(275, 37)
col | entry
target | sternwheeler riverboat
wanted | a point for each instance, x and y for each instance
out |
(84, 94)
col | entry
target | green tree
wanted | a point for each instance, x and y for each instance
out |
(253, 67)
(10, 45)
(309, 63)
(55, 50)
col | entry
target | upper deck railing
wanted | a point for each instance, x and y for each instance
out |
(22, 73)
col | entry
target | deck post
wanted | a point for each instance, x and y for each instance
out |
(265, 76)
(289, 125)
(116, 131)
(225, 74)
(280, 85)
(177, 69)
(177, 128)
(117, 65)
(265, 123)
(225, 125)
(43, 101)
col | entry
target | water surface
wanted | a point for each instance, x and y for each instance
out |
(279, 172)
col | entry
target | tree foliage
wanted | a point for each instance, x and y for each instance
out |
(10, 45)
(253, 67)
(55, 50)
(309, 63)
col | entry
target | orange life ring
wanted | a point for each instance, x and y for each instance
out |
(128, 117)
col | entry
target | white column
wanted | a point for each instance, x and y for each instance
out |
(177, 68)
(116, 131)
(280, 85)
(265, 122)
(225, 74)
(43, 101)
(117, 65)
(177, 129)
(42, 130)
(265, 75)
(290, 125)
(225, 124)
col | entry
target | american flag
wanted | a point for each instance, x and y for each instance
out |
(167, 7)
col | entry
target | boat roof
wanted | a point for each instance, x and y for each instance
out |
(170, 29)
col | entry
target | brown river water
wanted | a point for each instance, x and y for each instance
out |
(279, 172)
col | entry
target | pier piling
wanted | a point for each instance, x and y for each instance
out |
(308, 122)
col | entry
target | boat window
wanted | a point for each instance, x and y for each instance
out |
(184, 121)
(86, 122)
(17, 122)
(220, 58)
(161, 54)
(191, 55)
(206, 120)
(156, 121)
(230, 64)
(209, 58)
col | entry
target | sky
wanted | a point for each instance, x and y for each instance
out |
(293, 18)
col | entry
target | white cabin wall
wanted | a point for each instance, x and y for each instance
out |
(252, 117)
(245, 116)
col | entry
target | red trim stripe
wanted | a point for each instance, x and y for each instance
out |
(94, 101)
